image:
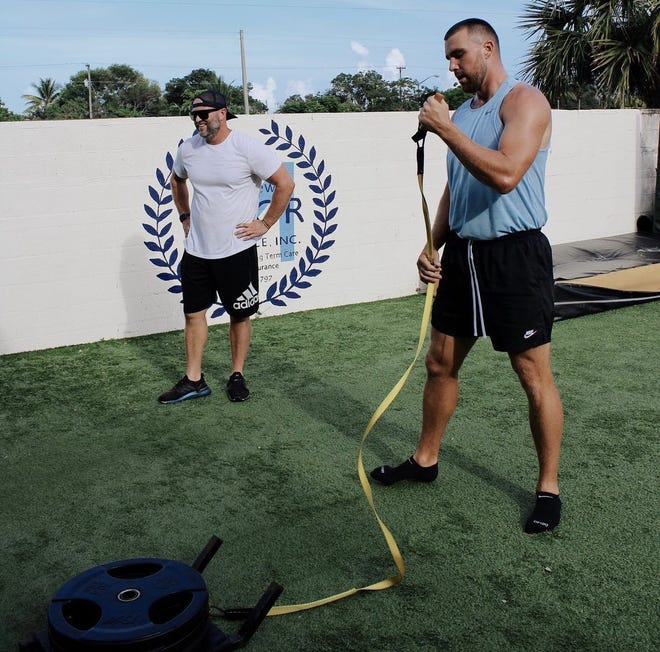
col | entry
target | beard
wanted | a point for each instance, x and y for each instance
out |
(471, 83)
(210, 130)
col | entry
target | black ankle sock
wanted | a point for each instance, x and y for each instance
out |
(409, 470)
(546, 513)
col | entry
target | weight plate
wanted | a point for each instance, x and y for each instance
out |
(134, 604)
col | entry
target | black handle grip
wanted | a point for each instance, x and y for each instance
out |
(420, 134)
(207, 554)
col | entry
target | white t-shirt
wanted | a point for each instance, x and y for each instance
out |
(226, 179)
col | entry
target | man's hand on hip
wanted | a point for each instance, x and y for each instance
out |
(251, 230)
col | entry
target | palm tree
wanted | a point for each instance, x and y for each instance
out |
(627, 54)
(47, 91)
(611, 47)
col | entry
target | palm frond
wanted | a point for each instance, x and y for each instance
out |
(613, 45)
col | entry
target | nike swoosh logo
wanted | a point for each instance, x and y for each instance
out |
(529, 334)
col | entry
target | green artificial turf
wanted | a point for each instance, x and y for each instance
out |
(94, 470)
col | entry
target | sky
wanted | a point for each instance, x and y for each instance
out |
(290, 47)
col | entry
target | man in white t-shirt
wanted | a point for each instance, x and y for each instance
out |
(226, 169)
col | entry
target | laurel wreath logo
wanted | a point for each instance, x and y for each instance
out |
(315, 254)
(162, 227)
(323, 215)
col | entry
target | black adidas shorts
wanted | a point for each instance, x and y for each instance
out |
(502, 289)
(235, 279)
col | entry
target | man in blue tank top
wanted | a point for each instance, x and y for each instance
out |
(495, 277)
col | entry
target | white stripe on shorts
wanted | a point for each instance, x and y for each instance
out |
(477, 308)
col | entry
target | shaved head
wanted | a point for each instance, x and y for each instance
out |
(476, 27)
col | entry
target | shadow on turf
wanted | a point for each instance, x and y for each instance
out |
(523, 497)
(330, 402)
(325, 401)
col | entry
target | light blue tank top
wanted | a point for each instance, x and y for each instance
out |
(477, 211)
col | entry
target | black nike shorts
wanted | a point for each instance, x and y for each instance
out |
(502, 289)
(234, 280)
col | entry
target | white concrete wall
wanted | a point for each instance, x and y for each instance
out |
(74, 267)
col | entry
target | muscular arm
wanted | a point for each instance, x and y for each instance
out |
(280, 200)
(440, 229)
(527, 125)
(284, 186)
(181, 198)
(180, 193)
(429, 268)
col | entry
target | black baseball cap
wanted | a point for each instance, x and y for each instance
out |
(211, 98)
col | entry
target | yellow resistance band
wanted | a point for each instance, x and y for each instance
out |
(391, 543)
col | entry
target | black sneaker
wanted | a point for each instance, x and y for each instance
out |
(236, 388)
(184, 390)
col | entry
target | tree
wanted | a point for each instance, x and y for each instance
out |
(180, 91)
(8, 116)
(411, 94)
(366, 90)
(46, 93)
(118, 91)
(609, 49)
(456, 96)
(627, 53)
(318, 103)
(369, 92)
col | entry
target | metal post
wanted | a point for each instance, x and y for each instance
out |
(89, 92)
(246, 104)
(401, 68)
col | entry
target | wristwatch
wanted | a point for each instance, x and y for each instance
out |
(184, 216)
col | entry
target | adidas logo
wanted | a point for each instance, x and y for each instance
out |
(247, 299)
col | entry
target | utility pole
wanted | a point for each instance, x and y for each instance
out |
(246, 103)
(400, 68)
(88, 83)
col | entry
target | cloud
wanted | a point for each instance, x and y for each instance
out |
(363, 64)
(359, 49)
(266, 93)
(299, 87)
(393, 62)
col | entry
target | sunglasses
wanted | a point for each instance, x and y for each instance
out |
(202, 115)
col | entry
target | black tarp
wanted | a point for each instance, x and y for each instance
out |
(584, 279)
